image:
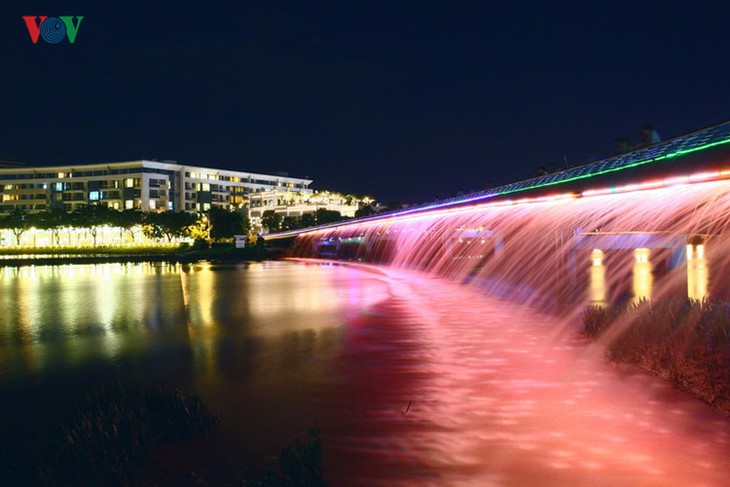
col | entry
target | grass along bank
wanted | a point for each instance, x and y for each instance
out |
(685, 342)
(108, 437)
(114, 436)
(182, 254)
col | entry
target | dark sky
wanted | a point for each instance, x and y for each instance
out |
(405, 101)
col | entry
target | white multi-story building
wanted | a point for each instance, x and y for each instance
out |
(296, 203)
(144, 185)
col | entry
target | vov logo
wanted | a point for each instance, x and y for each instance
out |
(52, 29)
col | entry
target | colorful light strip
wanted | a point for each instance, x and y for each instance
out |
(648, 185)
(440, 213)
(724, 130)
(660, 183)
(621, 168)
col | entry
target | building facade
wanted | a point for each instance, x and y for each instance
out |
(295, 203)
(144, 185)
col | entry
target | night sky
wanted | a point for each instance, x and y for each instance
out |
(404, 101)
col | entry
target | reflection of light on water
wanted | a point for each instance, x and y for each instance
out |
(185, 285)
(306, 292)
(697, 273)
(77, 311)
(642, 279)
(28, 307)
(496, 398)
(198, 291)
(598, 278)
(107, 297)
(201, 285)
(437, 384)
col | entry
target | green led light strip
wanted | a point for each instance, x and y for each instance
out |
(671, 155)
(620, 168)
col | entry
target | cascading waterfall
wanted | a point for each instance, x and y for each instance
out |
(558, 250)
(510, 393)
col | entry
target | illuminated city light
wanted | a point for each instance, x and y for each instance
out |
(697, 272)
(421, 215)
(702, 140)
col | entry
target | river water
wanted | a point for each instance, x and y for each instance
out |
(412, 380)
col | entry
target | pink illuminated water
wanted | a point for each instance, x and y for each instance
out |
(457, 363)
(539, 253)
(413, 379)
(443, 385)
(472, 371)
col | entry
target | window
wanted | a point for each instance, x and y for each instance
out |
(94, 196)
(129, 204)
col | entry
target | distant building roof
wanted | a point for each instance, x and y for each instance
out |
(10, 164)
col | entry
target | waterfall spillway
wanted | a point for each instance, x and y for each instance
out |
(650, 223)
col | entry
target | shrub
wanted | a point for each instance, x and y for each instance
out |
(596, 319)
(298, 466)
(684, 341)
(111, 435)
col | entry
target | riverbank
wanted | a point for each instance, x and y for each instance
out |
(183, 255)
(684, 342)
(128, 434)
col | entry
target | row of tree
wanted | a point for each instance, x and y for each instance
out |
(275, 222)
(216, 224)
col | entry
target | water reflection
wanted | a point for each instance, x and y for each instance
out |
(106, 309)
(66, 315)
(445, 386)
(433, 383)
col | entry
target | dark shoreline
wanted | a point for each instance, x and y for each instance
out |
(215, 254)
